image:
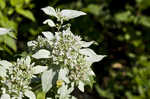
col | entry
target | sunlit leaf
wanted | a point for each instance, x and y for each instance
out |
(50, 11)
(70, 14)
(26, 13)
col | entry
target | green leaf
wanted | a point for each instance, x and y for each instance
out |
(104, 93)
(2, 4)
(26, 13)
(94, 9)
(124, 16)
(41, 95)
(10, 42)
(17, 3)
(145, 20)
(47, 78)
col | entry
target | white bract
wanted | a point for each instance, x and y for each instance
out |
(4, 31)
(49, 22)
(41, 54)
(91, 55)
(81, 86)
(47, 78)
(48, 35)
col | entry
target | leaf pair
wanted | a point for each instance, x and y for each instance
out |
(65, 14)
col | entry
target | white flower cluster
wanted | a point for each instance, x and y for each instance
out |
(67, 52)
(16, 77)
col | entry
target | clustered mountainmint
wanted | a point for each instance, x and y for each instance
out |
(64, 60)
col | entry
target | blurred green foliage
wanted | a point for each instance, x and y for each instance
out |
(12, 12)
(120, 28)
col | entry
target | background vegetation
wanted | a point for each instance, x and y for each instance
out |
(120, 28)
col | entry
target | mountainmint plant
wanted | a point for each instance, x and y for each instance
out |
(64, 62)
(66, 55)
